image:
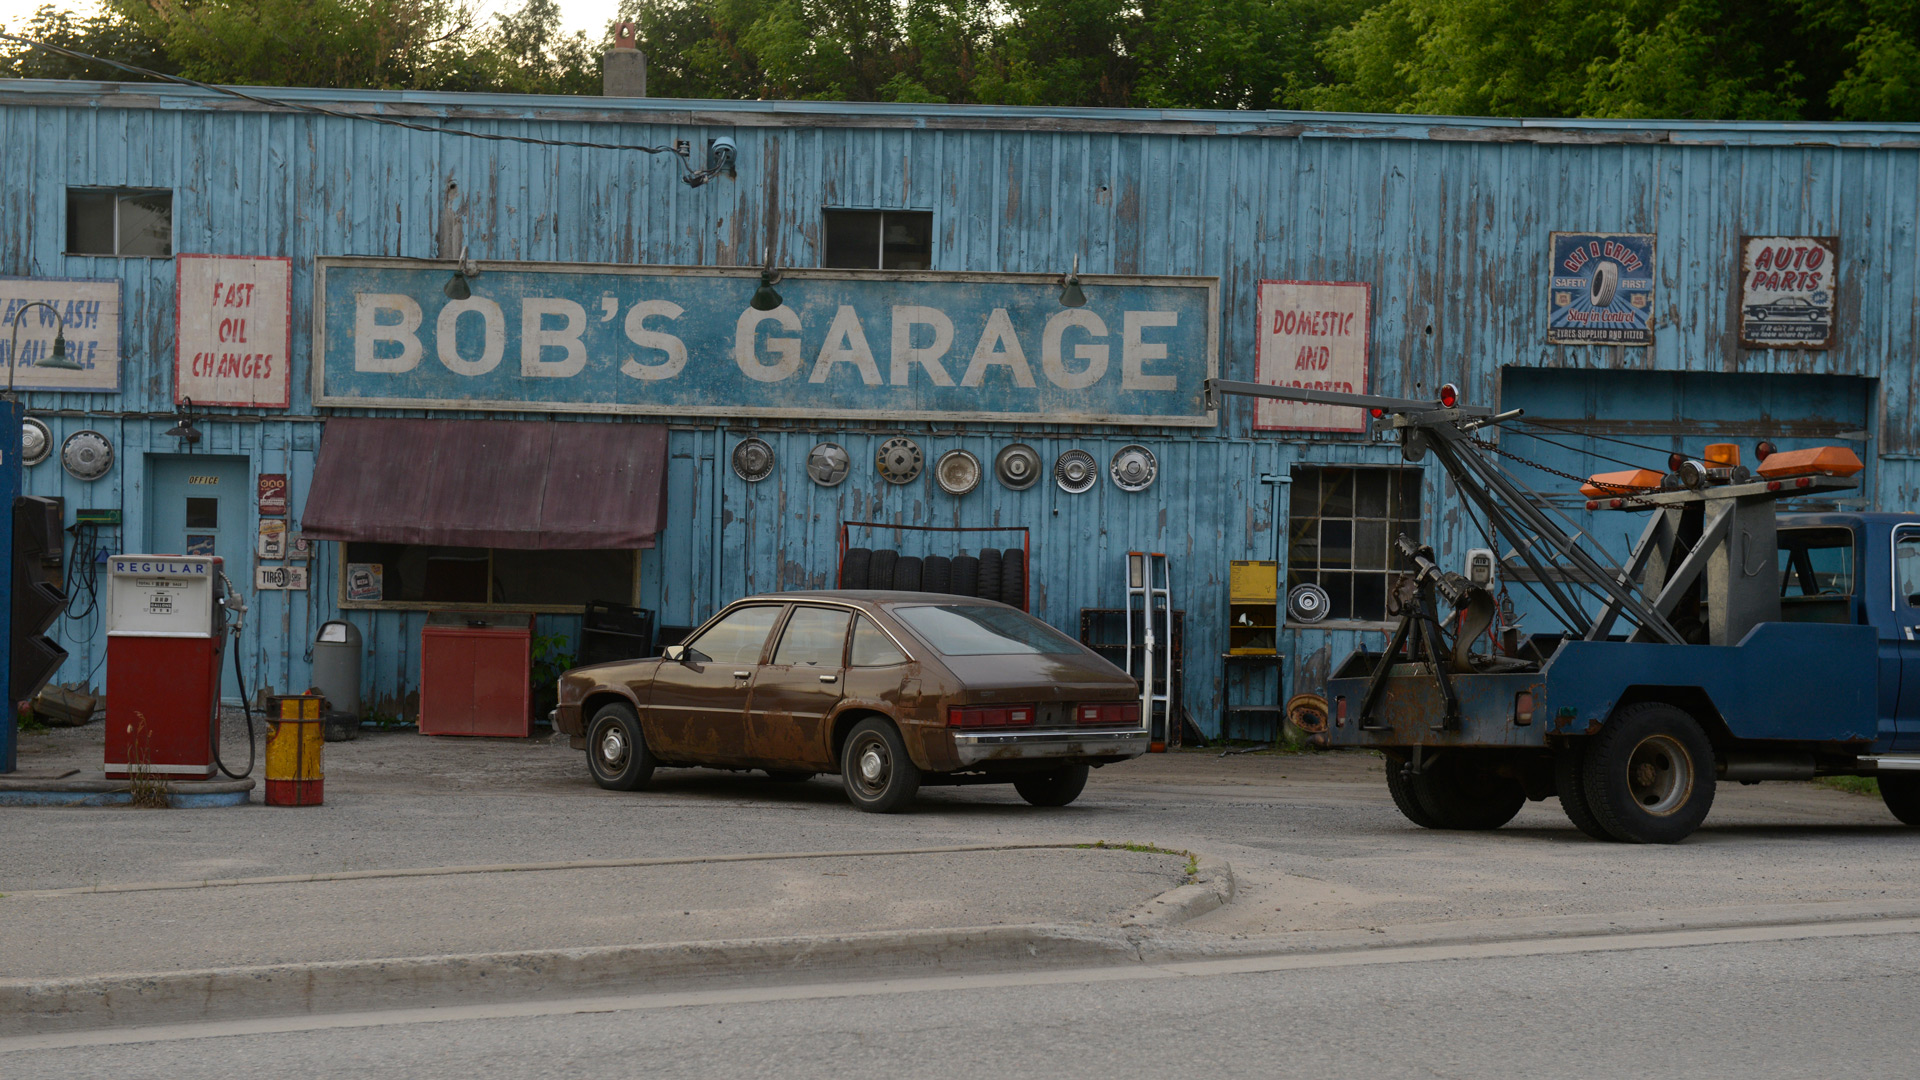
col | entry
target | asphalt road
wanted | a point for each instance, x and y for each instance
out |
(1753, 1009)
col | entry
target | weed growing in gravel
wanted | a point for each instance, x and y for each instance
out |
(1857, 785)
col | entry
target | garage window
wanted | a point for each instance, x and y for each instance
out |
(1342, 522)
(879, 240)
(128, 222)
(429, 576)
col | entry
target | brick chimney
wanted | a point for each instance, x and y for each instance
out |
(623, 67)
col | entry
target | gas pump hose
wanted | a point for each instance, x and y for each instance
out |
(246, 710)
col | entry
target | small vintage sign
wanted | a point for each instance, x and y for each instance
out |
(1312, 334)
(365, 581)
(280, 578)
(273, 494)
(199, 544)
(299, 548)
(234, 328)
(85, 312)
(1600, 289)
(273, 539)
(1787, 289)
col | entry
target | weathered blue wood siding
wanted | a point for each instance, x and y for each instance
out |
(1446, 218)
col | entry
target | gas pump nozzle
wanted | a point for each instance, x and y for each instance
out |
(235, 606)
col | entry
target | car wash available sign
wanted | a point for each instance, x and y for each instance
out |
(1600, 289)
(687, 341)
(1787, 286)
(1312, 334)
(235, 324)
(83, 313)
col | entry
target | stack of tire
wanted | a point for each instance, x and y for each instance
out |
(991, 575)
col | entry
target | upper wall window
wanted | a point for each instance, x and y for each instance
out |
(131, 222)
(879, 240)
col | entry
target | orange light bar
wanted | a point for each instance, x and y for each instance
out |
(1815, 461)
(1601, 485)
(1724, 455)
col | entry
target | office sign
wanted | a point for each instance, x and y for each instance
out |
(1787, 286)
(85, 311)
(686, 341)
(234, 323)
(1312, 334)
(1600, 289)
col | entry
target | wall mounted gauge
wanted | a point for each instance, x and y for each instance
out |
(1017, 466)
(1133, 468)
(957, 472)
(752, 460)
(36, 442)
(1076, 471)
(87, 455)
(828, 464)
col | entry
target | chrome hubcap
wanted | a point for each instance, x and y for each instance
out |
(1660, 774)
(613, 747)
(873, 765)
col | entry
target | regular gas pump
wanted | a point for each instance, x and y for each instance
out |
(167, 625)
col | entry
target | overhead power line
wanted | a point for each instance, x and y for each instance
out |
(691, 176)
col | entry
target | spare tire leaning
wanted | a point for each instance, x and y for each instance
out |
(1013, 578)
(988, 587)
(853, 568)
(936, 574)
(880, 570)
(966, 575)
(906, 573)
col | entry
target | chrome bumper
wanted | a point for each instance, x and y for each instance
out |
(974, 749)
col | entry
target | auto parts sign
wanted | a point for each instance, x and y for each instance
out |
(1787, 286)
(1600, 289)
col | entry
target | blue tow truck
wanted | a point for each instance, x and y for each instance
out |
(1735, 643)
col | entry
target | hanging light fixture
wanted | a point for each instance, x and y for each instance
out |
(765, 298)
(183, 429)
(456, 287)
(57, 360)
(1070, 292)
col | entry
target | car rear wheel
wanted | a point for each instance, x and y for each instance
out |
(1055, 788)
(875, 770)
(1649, 774)
(1901, 793)
(617, 754)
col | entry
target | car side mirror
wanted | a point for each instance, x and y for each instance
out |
(675, 653)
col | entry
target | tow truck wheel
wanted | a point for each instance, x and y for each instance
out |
(1568, 762)
(1901, 793)
(617, 755)
(1649, 774)
(1400, 786)
(1460, 790)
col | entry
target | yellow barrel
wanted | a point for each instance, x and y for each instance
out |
(297, 732)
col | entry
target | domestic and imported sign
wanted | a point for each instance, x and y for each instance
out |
(1312, 334)
(1600, 289)
(1787, 287)
(234, 327)
(685, 341)
(84, 311)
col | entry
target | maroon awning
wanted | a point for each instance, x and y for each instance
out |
(489, 483)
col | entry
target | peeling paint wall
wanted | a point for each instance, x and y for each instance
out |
(1447, 219)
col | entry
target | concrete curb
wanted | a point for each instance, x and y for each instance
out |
(1212, 887)
(71, 792)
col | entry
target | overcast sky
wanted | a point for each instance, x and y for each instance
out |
(589, 15)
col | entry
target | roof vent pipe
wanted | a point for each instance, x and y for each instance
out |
(623, 69)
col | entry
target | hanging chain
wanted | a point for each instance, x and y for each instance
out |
(1626, 493)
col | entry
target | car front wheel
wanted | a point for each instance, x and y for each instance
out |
(617, 753)
(874, 768)
(1056, 788)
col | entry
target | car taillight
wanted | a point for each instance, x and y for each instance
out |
(991, 716)
(1115, 714)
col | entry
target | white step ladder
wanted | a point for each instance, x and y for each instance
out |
(1150, 594)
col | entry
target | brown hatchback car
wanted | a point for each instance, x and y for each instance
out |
(892, 690)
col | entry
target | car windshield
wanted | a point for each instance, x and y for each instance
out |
(967, 630)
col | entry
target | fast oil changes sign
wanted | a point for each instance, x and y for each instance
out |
(686, 341)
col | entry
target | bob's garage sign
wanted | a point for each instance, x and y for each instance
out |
(1787, 286)
(1600, 289)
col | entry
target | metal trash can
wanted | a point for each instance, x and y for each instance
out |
(336, 675)
(294, 744)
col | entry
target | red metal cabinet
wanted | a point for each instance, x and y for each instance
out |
(476, 675)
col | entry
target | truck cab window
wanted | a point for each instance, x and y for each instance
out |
(1906, 567)
(1816, 562)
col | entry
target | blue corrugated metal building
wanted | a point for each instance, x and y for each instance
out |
(1447, 221)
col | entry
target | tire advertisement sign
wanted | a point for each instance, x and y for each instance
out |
(1312, 334)
(1787, 286)
(1600, 289)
